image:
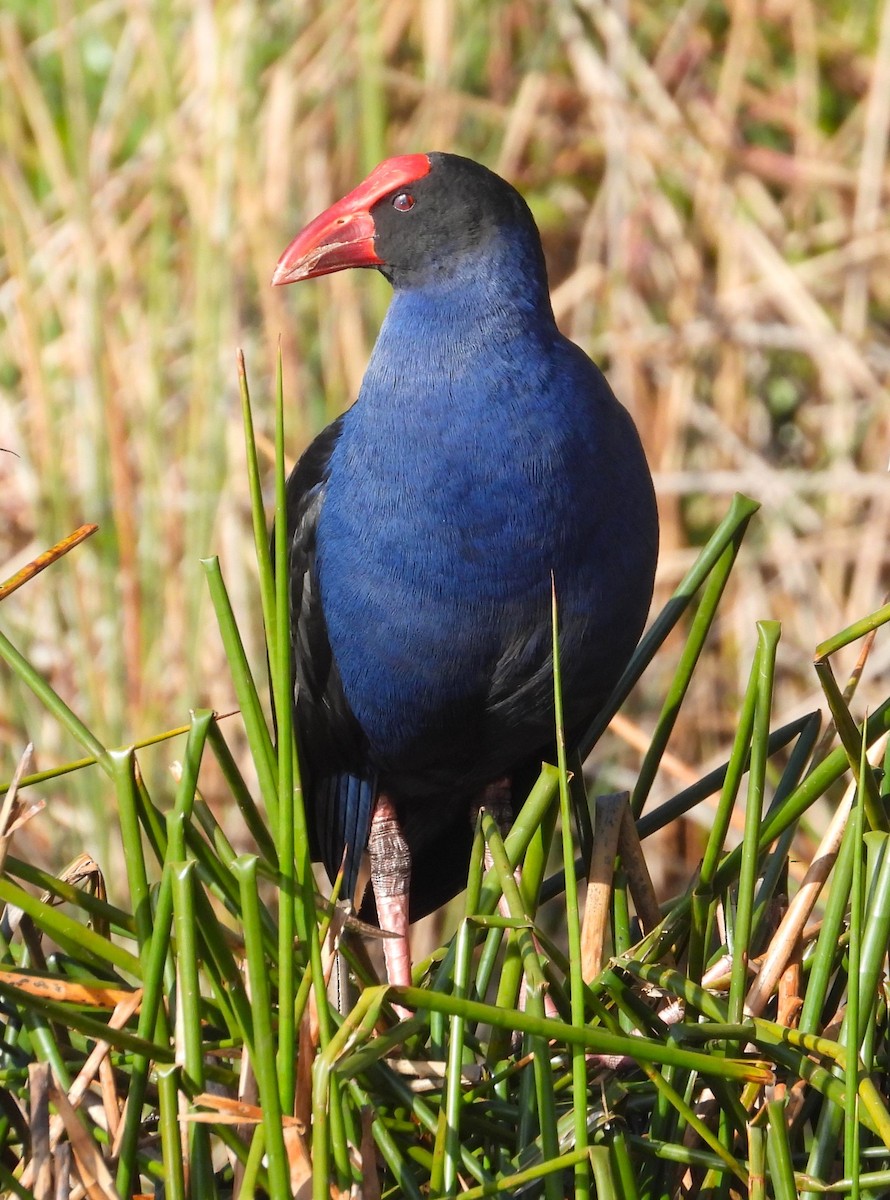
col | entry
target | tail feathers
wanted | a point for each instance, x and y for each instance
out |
(346, 803)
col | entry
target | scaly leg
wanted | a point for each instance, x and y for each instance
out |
(390, 879)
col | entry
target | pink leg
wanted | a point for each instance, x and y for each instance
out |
(390, 879)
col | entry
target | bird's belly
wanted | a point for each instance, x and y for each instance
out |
(414, 654)
(421, 620)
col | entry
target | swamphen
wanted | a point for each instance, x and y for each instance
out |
(484, 452)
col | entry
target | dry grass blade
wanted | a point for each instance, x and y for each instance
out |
(308, 1044)
(789, 999)
(85, 1077)
(870, 184)
(40, 1165)
(428, 1075)
(231, 1112)
(299, 1162)
(42, 561)
(786, 939)
(70, 991)
(638, 878)
(370, 1178)
(91, 1167)
(608, 820)
(14, 814)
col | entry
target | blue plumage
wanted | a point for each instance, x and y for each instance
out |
(484, 452)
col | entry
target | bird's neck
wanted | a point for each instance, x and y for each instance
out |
(468, 325)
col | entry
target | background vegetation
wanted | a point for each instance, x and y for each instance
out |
(711, 181)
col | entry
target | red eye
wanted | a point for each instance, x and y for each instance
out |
(403, 202)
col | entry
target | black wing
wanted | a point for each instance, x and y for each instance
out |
(339, 785)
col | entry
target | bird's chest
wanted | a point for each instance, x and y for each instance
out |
(435, 552)
(447, 517)
(440, 513)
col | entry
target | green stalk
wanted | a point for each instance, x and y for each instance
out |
(823, 961)
(874, 941)
(67, 1016)
(69, 933)
(686, 1156)
(422, 1115)
(171, 1135)
(603, 1179)
(527, 823)
(290, 819)
(188, 999)
(534, 863)
(188, 987)
(37, 1017)
(731, 530)
(682, 676)
(621, 921)
(123, 768)
(201, 723)
(12, 1185)
(254, 1168)
(778, 1153)
(573, 919)
(102, 913)
(91, 760)
(359, 1023)
(510, 1183)
(152, 1016)
(53, 703)
(877, 1183)
(245, 689)
(704, 890)
(261, 1040)
(756, 1163)
(768, 633)
(241, 795)
(853, 632)
(851, 740)
(598, 1041)
(852, 1016)
(690, 1118)
(265, 573)
(152, 1022)
(815, 785)
(535, 985)
(387, 1146)
(776, 866)
(623, 1165)
(805, 729)
(444, 1179)
(282, 683)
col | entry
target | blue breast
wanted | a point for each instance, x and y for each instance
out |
(484, 451)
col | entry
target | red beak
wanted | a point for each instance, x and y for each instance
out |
(343, 236)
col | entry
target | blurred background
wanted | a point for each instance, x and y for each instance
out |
(711, 182)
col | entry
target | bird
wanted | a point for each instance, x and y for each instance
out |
(485, 461)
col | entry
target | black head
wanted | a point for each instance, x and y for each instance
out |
(419, 218)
